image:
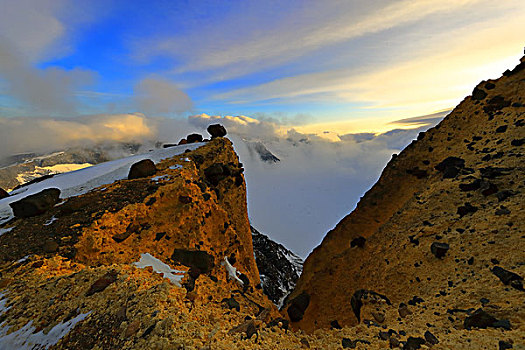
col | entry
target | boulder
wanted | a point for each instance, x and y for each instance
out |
(193, 138)
(450, 167)
(141, 169)
(3, 193)
(482, 319)
(216, 130)
(508, 277)
(439, 249)
(298, 306)
(36, 204)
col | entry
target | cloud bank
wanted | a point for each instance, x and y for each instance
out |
(317, 182)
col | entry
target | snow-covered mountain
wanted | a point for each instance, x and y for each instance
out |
(22, 168)
(279, 268)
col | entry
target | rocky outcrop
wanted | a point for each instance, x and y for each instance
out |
(438, 245)
(127, 263)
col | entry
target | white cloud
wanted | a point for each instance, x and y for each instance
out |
(316, 183)
(157, 96)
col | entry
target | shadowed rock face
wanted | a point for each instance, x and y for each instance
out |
(431, 242)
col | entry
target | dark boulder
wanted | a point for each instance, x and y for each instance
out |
(450, 167)
(231, 303)
(144, 168)
(439, 249)
(216, 130)
(36, 204)
(3, 193)
(472, 186)
(518, 142)
(358, 242)
(414, 343)
(197, 260)
(298, 306)
(508, 277)
(504, 345)
(431, 338)
(482, 319)
(478, 94)
(182, 142)
(466, 209)
(102, 283)
(193, 138)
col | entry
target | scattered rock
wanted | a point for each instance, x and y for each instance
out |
(478, 94)
(216, 130)
(36, 204)
(335, 325)
(439, 249)
(502, 211)
(3, 193)
(403, 310)
(144, 168)
(298, 306)
(394, 342)
(358, 242)
(102, 283)
(450, 167)
(482, 319)
(466, 209)
(414, 343)
(193, 138)
(518, 142)
(472, 186)
(348, 343)
(378, 316)
(489, 189)
(231, 303)
(501, 129)
(504, 194)
(490, 86)
(504, 345)
(431, 338)
(121, 237)
(508, 277)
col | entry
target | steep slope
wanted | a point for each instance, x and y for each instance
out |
(459, 186)
(279, 268)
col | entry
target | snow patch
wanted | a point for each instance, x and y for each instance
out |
(175, 276)
(175, 167)
(6, 230)
(232, 271)
(26, 339)
(161, 178)
(23, 259)
(50, 221)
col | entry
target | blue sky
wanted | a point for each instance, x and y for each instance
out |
(328, 63)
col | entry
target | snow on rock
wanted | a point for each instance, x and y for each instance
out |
(232, 271)
(5, 230)
(175, 276)
(26, 339)
(81, 181)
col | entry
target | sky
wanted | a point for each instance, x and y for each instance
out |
(332, 88)
(346, 65)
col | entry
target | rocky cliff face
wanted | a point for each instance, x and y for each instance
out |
(81, 268)
(439, 236)
(279, 268)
